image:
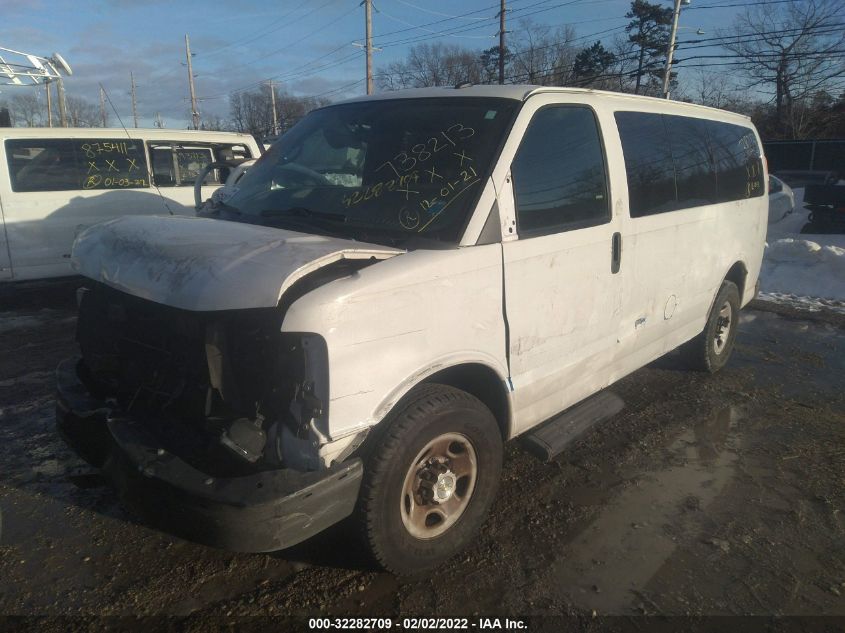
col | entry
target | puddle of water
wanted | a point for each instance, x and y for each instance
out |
(641, 528)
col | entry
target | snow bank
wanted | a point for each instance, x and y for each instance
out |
(803, 270)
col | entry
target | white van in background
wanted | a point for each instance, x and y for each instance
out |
(55, 182)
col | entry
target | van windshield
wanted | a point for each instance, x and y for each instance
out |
(378, 171)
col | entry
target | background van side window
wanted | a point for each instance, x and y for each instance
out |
(177, 164)
(648, 162)
(558, 173)
(67, 164)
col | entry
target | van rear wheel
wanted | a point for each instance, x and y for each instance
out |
(430, 480)
(710, 350)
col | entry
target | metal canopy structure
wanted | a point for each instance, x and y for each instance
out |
(25, 69)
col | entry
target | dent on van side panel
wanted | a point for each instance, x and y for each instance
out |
(390, 325)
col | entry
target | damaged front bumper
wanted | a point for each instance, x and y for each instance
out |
(261, 512)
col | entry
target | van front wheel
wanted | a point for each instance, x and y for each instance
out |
(430, 480)
(710, 350)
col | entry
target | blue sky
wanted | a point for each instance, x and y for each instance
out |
(307, 47)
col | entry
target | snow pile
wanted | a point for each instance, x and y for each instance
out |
(807, 271)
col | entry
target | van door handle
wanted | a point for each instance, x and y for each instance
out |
(616, 253)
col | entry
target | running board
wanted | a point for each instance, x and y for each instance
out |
(553, 436)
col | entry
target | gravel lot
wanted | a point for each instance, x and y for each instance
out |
(706, 495)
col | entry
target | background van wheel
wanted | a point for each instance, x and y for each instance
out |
(430, 479)
(710, 350)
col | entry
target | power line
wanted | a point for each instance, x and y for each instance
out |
(736, 4)
(484, 21)
(422, 28)
(451, 17)
(294, 43)
(355, 56)
(253, 38)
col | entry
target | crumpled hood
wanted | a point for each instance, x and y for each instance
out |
(204, 264)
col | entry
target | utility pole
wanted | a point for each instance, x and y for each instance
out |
(49, 104)
(103, 105)
(60, 91)
(195, 115)
(134, 100)
(368, 10)
(273, 102)
(502, 42)
(670, 51)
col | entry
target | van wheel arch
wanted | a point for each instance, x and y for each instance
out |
(476, 379)
(485, 384)
(737, 274)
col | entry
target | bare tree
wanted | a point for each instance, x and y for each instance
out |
(711, 89)
(252, 112)
(794, 50)
(214, 122)
(621, 74)
(434, 64)
(82, 113)
(26, 109)
(543, 56)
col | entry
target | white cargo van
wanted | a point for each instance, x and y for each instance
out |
(55, 182)
(400, 285)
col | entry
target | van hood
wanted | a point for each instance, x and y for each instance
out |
(203, 264)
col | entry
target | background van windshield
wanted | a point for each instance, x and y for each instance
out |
(379, 170)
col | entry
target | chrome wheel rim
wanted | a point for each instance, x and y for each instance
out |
(438, 485)
(724, 323)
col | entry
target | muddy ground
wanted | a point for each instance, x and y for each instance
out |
(706, 495)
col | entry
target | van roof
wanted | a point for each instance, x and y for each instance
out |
(521, 92)
(119, 132)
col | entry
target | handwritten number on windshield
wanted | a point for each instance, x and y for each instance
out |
(404, 162)
(458, 131)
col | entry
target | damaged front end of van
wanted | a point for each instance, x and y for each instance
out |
(202, 412)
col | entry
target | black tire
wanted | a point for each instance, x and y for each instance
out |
(705, 352)
(427, 414)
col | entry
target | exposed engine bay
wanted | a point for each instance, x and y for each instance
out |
(227, 391)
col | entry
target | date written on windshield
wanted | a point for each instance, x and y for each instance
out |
(436, 205)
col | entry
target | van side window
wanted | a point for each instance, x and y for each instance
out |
(559, 178)
(648, 161)
(677, 162)
(739, 168)
(695, 173)
(66, 164)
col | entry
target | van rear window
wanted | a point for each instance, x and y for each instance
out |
(676, 162)
(66, 164)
